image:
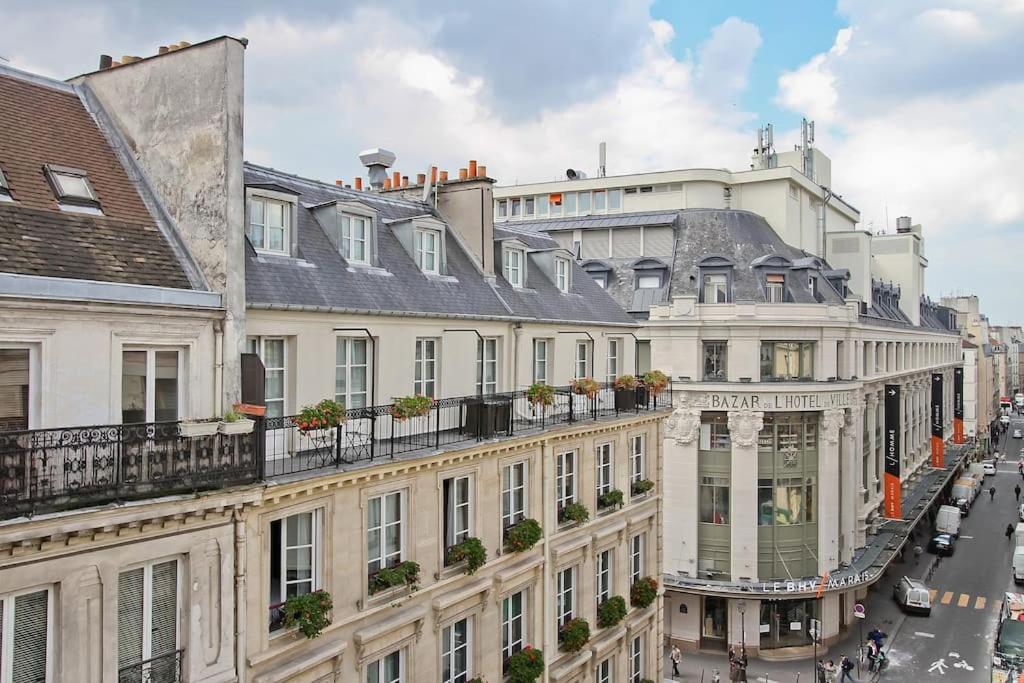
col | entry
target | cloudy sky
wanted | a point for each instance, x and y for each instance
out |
(919, 103)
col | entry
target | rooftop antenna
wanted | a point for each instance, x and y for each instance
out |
(764, 153)
(806, 145)
(602, 153)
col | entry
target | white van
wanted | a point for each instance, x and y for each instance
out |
(964, 488)
(1018, 565)
(976, 470)
(1018, 535)
(947, 521)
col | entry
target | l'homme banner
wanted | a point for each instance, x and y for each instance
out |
(938, 438)
(892, 451)
(958, 405)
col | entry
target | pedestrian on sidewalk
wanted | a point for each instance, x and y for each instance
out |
(831, 672)
(675, 656)
(846, 667)
(992, 492)
(1009, 531)
(1016, 492)
(1020, 467)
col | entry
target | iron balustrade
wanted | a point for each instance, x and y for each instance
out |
(45, 470)
(164, 668)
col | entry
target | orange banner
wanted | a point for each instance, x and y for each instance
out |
(938, 452)
(958, 430)
(892, 496)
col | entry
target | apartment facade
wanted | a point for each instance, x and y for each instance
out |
(977, 334)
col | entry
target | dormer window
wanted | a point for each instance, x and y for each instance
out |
(514, 259)
(562, 274)
(500, 208)
(716, 289)
(648, 281)
(716, 273)
(355, 238)
(427, 247)
(775, 288)
(73, 190)
(269, 224)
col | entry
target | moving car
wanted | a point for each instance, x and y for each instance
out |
(990, 467)
(1017, 434)
(912, 596)
(941, 544)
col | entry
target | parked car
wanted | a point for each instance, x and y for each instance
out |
(1017, 434)
(990, 467)
(912, 596)
(1020, 512)
(965, 507)
(941, 544)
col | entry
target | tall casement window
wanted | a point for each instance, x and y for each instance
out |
(513, 626)
(614, 347)
(458, 512)
(636, 557)
(565, 479)
(774, 288)
(605, 671)
(150, 390)
(716, 288)
(604, 576)
(782, 361)
(513, 494)
(582, 364)
(636, 659)
(713, 495)
(26, 637)
(605, 470)
(562, 274)
(350, 372)
(487, 366)
(388, 669)
(269, 224)
(15, 395)
(565, 596)
(541, 348)
(715, 356)
(425, 379)
(295, 543)
(385, 531)
(427, 247)
(637, 458)
(457, 652)
(355, 237)
(271, 352)
(147, 623)
(514, 259)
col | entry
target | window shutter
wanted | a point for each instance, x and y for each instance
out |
(165, 608)
(28, 663)
(130, 587)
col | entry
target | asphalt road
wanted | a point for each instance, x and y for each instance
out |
(955, 643)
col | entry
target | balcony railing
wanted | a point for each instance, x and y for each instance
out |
(162, 669)
(373, 433)
(44, 470)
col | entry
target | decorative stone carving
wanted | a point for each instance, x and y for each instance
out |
(831, 420)
(744, 426)
(684, 425)
(850, 416)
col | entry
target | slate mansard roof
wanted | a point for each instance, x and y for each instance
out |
(45, 122)
(318, 277)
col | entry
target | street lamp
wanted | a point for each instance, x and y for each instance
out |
(741, 605)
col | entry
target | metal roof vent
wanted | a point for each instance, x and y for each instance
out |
(377, 161)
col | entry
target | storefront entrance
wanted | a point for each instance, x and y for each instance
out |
(715, 625)
(787, 623)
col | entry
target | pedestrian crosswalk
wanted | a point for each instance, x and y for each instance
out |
(956, 599)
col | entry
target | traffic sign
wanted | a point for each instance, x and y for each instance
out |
(858, 611)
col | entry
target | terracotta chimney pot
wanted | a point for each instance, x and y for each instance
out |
(444, 176)
(421, 178)
(396, 179)
(339, 181)
(359, 183)
(387, 183)
(472, 168)
(405, 181)
(463, 174)
(481, 171)
(433, 175)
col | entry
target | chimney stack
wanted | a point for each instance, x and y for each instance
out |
(444, 177)
(105, 62)
(377, 161)
(421, 178)
(481, 171)
(903, 224)
(463, 174)
(359, 182)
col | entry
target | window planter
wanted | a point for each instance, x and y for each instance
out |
(471, 551)
(574, 635)
(625, 393)
(643, 592)
(324, 415)
(408, 407)
(576, 513)
(656, 382)
(586, 386)
(234, 423)
(522, 536)
(610, 499)
(611, 611)
(541, 395)
(192, 429)
(526, 666)
(404, 573)
(309, 612)
(642, 487)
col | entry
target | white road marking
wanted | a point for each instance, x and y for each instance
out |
(954, 655)
(923, 634)
(963, 665)
(939, 666)
(965, 537)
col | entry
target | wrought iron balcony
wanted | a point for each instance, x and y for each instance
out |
(162, 669)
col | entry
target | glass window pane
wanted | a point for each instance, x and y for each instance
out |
(14, 389)
(584, 198)
(133, 386)
(300, 529)
(166, 409)
(275, 214)
(73, 186)
(256, 212)
(614, 199)
(569, 202)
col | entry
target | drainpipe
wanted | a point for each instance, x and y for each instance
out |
(550, 637)
(517, 333)
(218, 368)
(824, 220)
(240, 607)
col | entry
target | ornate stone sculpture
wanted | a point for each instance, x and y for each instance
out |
(744, 426)
(831, 421)
(684, 425)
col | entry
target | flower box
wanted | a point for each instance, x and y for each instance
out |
(197, 428)
(240, 426)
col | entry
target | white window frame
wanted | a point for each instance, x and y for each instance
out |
(34, 370)
(614, 344)
(603, 195)
(349, 240)
(258, 345)
(637, 546)
(500, 208)
(422, 364)
(605, 671)
(565, 596)
(455, 532)
(316, 553)
(604, 576)
(636, 659)
(182, 371)
(386, 557)
(286, 228)
(7, 620)
(514, 480)
(509, 646)
(637, 458)
(581, 363)
(713, 284)
(375, 669)
(420, 239)
(648, 281)
(541, 360)
(147, 604)
(562, 274)
(617, 193)
(514, 272)
(449, 654)
(486, 356)
(605, 460)
(774, 292)
(566, 481)
(347, 366)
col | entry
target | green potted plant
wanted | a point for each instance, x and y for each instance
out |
(574, 635)
(643, 592)
(408, 407)
(574, 512)
(326, 414)
(526, 666)
(642, 487)
(586, 386)
(625, 393)
(195, 427)
(656, 382)
(235, 423)
(610, 499)
(310, 612)
(471, 551)
(404, 573)
(541, 395)
(611, 611)
(522, 536)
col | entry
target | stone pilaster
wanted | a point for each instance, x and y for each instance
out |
(744, 426)
(851, 475)
(680, 483)
(828, 490)
(877, 465)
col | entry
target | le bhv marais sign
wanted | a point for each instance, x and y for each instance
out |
(761, 401)
(817, 584)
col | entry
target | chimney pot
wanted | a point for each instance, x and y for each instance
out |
(105, 62)
(162, 50)
(481, 171)
(338, 182)
(387, 183)
(115, 63)
(472, 168)
(359, 183)
(396, 179)
(463, 173)
(433, 175)
(348, 187)
(405, 181)
(444, 176)
(421, 178)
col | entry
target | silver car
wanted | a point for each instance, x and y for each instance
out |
(913, 596)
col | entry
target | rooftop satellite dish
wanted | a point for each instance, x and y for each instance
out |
(573, 174)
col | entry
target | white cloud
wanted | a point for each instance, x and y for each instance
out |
(724, 60)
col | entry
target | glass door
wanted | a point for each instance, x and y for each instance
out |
(716, 622)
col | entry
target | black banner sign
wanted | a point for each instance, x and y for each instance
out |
(892, 451)
(938, 437)
(958, 405)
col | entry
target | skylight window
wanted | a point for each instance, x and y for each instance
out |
(73, 189)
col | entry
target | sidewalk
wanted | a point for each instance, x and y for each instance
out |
(881, 610)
